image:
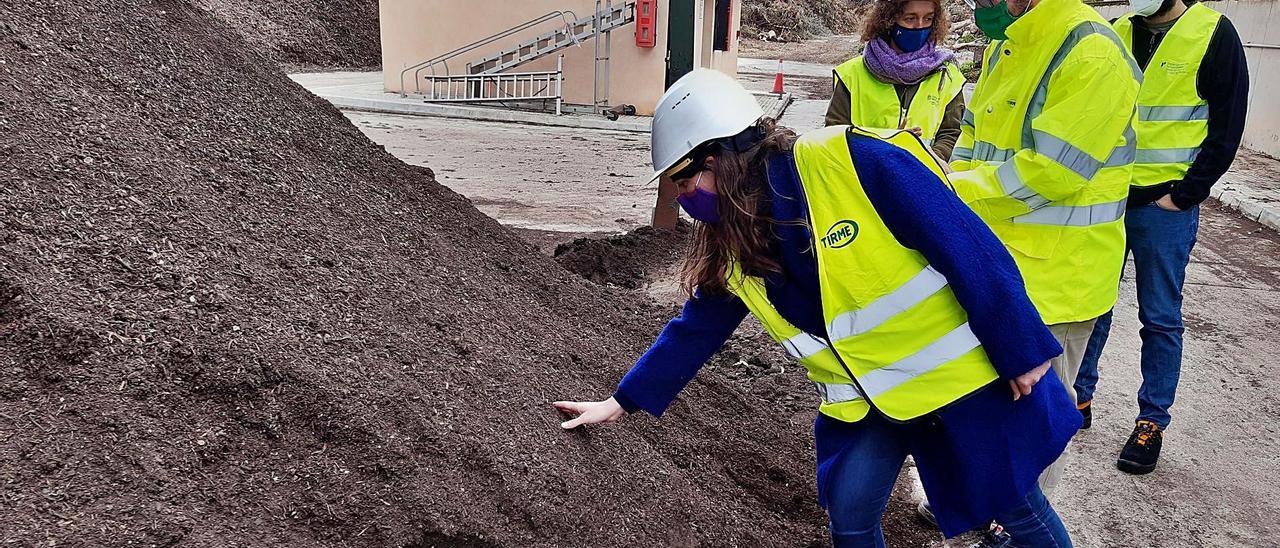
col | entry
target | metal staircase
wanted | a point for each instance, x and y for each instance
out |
(610, 18)
(486, 79)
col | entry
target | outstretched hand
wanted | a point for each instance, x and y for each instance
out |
(590, 412)
(1025, 382)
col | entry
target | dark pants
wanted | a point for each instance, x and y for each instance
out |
(863, 481)
(1161, 243)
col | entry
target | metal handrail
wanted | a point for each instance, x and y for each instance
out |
(500, 87)
(444, 58)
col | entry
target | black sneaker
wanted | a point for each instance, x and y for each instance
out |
(1141, 452)
(995, 537)
(1086, 413)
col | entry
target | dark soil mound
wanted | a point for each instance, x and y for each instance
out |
(630, 260)
(227, 318)
(306, 33)
(799, 19)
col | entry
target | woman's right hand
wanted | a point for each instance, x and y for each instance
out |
(1025, 382)
(590, 412)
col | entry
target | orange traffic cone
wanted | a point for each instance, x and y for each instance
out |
(777, 79)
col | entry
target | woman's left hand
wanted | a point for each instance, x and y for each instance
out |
(1025, 382)
(916, 130)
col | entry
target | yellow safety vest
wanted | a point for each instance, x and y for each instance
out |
(875, 104)
(896, 338)
(1173, 120)
(1046, 151)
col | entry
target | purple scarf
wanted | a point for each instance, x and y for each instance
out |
(888, 65)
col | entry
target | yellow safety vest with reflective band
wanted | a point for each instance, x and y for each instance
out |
(1173, 120)
(875, 104)
(897, 340)
(1046, 152)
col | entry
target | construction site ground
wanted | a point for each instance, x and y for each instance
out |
(1216, 480)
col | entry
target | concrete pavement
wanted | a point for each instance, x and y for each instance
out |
(1216, 482)
(364, 91)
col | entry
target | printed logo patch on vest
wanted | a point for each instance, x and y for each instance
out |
(1174, 67)
(840, 234)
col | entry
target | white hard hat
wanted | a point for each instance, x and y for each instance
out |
(702, 106)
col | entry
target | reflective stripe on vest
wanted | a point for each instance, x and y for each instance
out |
(875, 105)
(803, 346)
(913, 292)
(837, 393)
(1173, 120)
(877, 382)
(1064, 153)
(1173, 114)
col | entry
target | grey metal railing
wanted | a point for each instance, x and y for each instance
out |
(492, 88)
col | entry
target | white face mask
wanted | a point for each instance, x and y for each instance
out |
(1145, 8)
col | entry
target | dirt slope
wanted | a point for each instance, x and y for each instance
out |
(227, 318)
(306, 33)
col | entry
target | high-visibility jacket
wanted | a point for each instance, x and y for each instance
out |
(896, 338)
(875, 104)
(1173, 120)
(1046, 151)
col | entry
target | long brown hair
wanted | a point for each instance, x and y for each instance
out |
(885, 15)
(742, 234)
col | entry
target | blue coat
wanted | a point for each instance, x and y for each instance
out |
(984, 452)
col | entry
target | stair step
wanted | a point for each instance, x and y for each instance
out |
(553, 41)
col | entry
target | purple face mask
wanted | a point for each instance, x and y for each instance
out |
(701, 205)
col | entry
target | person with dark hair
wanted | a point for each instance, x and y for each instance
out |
(907, 312)
(902, 79)
(1191, 114)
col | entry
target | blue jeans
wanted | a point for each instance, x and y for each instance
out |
(864, 479)
(1161, 243)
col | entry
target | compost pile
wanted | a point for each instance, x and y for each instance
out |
(790, 20)
(630, 260)
(795, 20)
(306, 33)
(227, 318)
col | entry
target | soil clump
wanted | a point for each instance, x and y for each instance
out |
(632, 260)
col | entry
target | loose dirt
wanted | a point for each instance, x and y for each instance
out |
(306, 34)
(632, 260)
(227, 318)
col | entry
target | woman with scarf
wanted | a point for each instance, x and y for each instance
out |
(903, 80)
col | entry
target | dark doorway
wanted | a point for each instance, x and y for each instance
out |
(679, 40)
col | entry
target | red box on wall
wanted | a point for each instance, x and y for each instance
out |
(646, 22)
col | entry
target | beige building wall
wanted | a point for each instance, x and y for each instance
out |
(1258, 22)
(416, 30)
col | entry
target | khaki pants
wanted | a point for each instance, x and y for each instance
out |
(1074, 338)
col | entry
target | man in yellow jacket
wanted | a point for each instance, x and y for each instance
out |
(1045, 156)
